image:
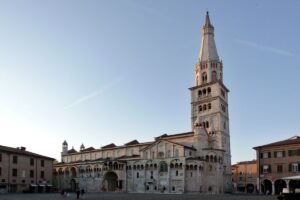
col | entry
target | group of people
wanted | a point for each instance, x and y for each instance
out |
(78, 193)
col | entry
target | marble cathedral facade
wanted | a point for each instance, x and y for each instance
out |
(197, 161)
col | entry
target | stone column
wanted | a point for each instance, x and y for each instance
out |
(273, 188)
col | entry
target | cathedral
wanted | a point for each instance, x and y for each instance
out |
(198, 161)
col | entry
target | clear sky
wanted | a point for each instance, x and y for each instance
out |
(97, 72)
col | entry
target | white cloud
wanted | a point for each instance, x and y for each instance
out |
(265, 48)
(92, 95)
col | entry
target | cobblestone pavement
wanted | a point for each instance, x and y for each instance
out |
(126, 196)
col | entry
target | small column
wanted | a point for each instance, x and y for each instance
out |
(287, 184)
(273, 188)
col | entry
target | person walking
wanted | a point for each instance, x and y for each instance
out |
(78, 193)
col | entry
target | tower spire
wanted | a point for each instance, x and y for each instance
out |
(208, 50)
(207, 21)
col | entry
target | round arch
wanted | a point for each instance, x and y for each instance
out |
(110, 182)
(266, 186)
(279, 185)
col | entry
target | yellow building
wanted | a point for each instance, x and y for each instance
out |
(244, 176)
(278, 165)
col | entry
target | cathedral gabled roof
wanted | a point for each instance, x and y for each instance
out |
(208, 50)
(163, 139)
(133, 142)
(292, 140)
(111, 145)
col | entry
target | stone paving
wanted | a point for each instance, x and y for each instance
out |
(131, 196)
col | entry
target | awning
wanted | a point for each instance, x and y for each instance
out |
(291, 178)
(33, 185)
(41, 185)
(49, 185)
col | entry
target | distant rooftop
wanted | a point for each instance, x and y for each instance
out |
(292, 140)
(22, 151)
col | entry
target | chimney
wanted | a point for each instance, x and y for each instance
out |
(23, 148)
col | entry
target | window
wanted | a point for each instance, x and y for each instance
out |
(279, 169)
(151, 175)
(208, 90)
(153, 154)
(209, 106)
(31, 161)
(15, 159)
(42, 174)
(176, 173)
(295, 152)
(0, 157)
(204, 107)
(169, 154)
(214, 76)
(222, 93)
(163, 167)
(266, 168)
(265, 155)
(200, 108)
(137, 175)
(199, 93)
(279, 154)
(191, 174)
(42, 163)
(14, 172)
(207, 124)
(204, 77)
(161, 154)
(0, 171)
(31, 173)
(295, 167)
(176, 153)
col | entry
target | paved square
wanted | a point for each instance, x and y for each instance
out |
(126, 196)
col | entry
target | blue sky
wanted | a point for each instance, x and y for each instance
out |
(97, 72)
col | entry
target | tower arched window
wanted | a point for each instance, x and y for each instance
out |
(199, 93)
(209, 106)
(207, 124)
(204, 107)
(204, 77)
(214, 76)
(200, 108)
(208, 90)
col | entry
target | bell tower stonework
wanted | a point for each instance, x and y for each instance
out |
(209, 100)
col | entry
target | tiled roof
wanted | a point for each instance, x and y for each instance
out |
(22, 151)
(72, 151)
(132, 142)
(88, 149)
(174, 135)
(292, 140)
(111, 145)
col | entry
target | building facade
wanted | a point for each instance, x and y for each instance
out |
(196, 161)
(24, 171)
(244, 176)
(278, 165)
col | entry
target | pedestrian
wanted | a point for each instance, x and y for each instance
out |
(82, 192)
(77, 193)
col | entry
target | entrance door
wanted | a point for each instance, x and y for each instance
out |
(73, 185)
(110, 181)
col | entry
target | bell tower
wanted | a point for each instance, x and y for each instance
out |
(209, 99)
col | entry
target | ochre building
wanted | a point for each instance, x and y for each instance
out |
(196, 161)
(278, 165)
(244, 176)
(24, 171)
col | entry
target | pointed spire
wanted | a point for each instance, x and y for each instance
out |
(208, 50)
(207, 21)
